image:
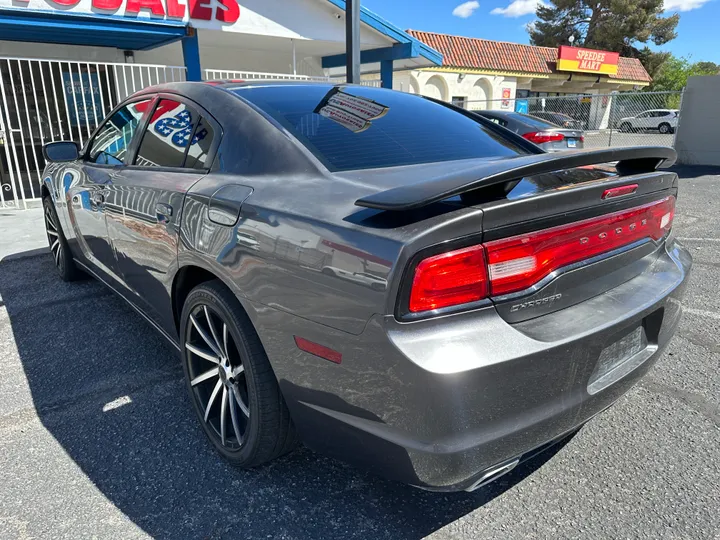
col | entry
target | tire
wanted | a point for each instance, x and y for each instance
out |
(243, 389)
(62, 256)
(665, 128)
(625, 127)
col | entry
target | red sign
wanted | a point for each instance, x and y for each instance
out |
(227, 11)
(587, 60)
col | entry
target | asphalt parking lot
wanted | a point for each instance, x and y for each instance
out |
(97, 437)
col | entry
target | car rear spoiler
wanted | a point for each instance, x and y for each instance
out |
(632, 160)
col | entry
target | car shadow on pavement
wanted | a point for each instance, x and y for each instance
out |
(110, 391)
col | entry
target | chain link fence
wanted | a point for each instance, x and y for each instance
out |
(609, 120)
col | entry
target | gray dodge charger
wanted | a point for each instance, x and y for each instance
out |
(389, 279)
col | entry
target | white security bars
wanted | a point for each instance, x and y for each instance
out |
(49, 100)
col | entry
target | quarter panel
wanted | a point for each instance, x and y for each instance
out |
(324, 272)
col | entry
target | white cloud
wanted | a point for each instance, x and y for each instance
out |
(518, 8)
(465, 10)
(682, 5)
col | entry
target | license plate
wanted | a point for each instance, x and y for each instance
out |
(572, 143)
(619, 359)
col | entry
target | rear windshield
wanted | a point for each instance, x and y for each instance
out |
(533, 121)
(355, 127)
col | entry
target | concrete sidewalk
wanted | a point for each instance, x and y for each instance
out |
(21, 231)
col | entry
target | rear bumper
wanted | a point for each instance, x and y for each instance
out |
(438, 403)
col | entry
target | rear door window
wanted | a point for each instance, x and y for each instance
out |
(354, 127)
(202, 141)
(167, 136)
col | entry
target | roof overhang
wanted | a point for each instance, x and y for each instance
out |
(407, 52)
(76, 29)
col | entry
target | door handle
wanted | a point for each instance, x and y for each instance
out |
(164, 212)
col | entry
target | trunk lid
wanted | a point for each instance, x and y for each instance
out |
(540, 193)
(572, 139)
(562, 201)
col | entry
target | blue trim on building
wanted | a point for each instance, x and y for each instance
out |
(386, 74)
(81, 29)
(388, 29)
(396, 52)
(191, 57)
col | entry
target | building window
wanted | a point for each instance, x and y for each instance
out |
(460, 101)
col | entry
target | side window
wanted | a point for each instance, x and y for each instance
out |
(111, 142)
(643, 115)
(200, 146)
(167, 135)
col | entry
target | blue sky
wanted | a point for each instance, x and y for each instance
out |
(698, 31)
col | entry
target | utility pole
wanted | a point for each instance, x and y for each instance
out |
(352, 40)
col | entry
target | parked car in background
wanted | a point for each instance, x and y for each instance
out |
(662, 120)
(514, 294)
(546, 135)
(559, 119)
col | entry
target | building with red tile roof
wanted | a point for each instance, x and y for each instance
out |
(502, 56)
(483, 74)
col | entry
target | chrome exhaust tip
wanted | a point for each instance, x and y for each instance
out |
(494, 473)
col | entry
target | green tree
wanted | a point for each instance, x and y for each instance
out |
(612, 25)
(674, 73)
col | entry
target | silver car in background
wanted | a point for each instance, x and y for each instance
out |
(663, 120)
(548, 136)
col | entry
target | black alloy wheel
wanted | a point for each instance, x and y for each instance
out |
(233, 388)
(217, 376)
(58, 244)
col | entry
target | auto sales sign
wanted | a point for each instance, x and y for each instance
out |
(587, 60)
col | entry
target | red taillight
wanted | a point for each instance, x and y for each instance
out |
(519, 262)
(449, 279)
(539, 137)
(582, 138)
(513, 264)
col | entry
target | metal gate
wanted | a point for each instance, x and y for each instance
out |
(50, 100)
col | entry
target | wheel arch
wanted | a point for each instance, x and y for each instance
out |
(192, 274)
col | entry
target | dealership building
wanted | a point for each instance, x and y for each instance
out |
(64, 64)
(483, 74)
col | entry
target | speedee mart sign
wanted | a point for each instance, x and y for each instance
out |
(587, 60)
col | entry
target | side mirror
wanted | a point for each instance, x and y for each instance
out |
(60, 151)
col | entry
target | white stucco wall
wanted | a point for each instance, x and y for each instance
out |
(480, 91)
(696, 136)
